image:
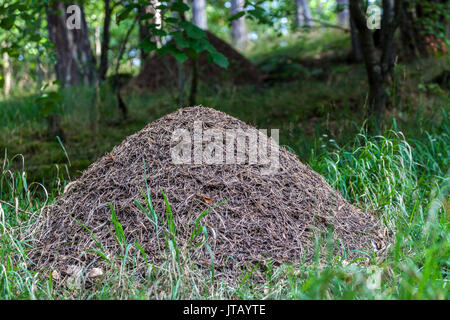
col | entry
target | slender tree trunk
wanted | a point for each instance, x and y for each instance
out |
(75, 62)
(343, 13)
(103, 68)
(356, 55)
(7, 74)
(407, 29)
(373, 68)
(199, 14)
(54, 127)
(303, 15)
(144, 31)
(238, 30)
(194, 83)
(388, 27)
(117, 83)
(412, 33)
(98, 43)
(378, 69)
(39, 71)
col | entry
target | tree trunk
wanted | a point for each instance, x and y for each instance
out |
(144, 31)
(343, 13)
(194, 83)
(98, 43)
(389, 24)
(75, 63)
(408, 31)
(39, 71)
(103, 67)
(377, 69)
(54, 127)
(238, 30)
(7, 74)
(199, 14)
(303, 15)
(356, 55)
(413, 34)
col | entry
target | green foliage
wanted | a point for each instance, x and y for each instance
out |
(19, 20)
(48, 102)
(189, 40)
(436, 15)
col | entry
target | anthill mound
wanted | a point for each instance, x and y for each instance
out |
(161, 71)
(275, 215)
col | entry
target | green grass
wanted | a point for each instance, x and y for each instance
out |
(405, 181)
(402, 176)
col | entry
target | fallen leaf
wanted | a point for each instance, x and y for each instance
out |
(95, 273)
(205, 198)
(56, 275)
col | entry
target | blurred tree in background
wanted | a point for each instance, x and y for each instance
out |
(111, 33)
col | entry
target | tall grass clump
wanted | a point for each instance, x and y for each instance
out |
(20, 202)
(405, 182)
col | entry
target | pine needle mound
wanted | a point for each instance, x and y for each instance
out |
(161, 71)
(275, 216)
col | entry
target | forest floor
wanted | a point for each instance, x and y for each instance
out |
(316, 99)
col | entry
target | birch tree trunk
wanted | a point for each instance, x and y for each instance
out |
(144, 31)
(75, 61)
(343, 13)
(238, 30)
(7, 74)
(98, 43)
(199, 14)
(303, 15)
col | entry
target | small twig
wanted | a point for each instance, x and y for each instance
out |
(330, 25)
(16, 208)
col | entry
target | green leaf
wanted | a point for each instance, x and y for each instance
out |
(55, 96)
(180, 6)
(161, 7)
(14, 53)
(180, 56)
(8, 22)
(147, 16)
(183, 42)
(172, 20)
(47, 108)
(123, 15)
(237, 16)
(218, 58)
(117, 226)
(147, 45)
(159, 32)
(169, 217)
(170, 48)
(192, 30)
(202, 45)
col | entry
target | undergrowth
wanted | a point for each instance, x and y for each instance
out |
(405, 181)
